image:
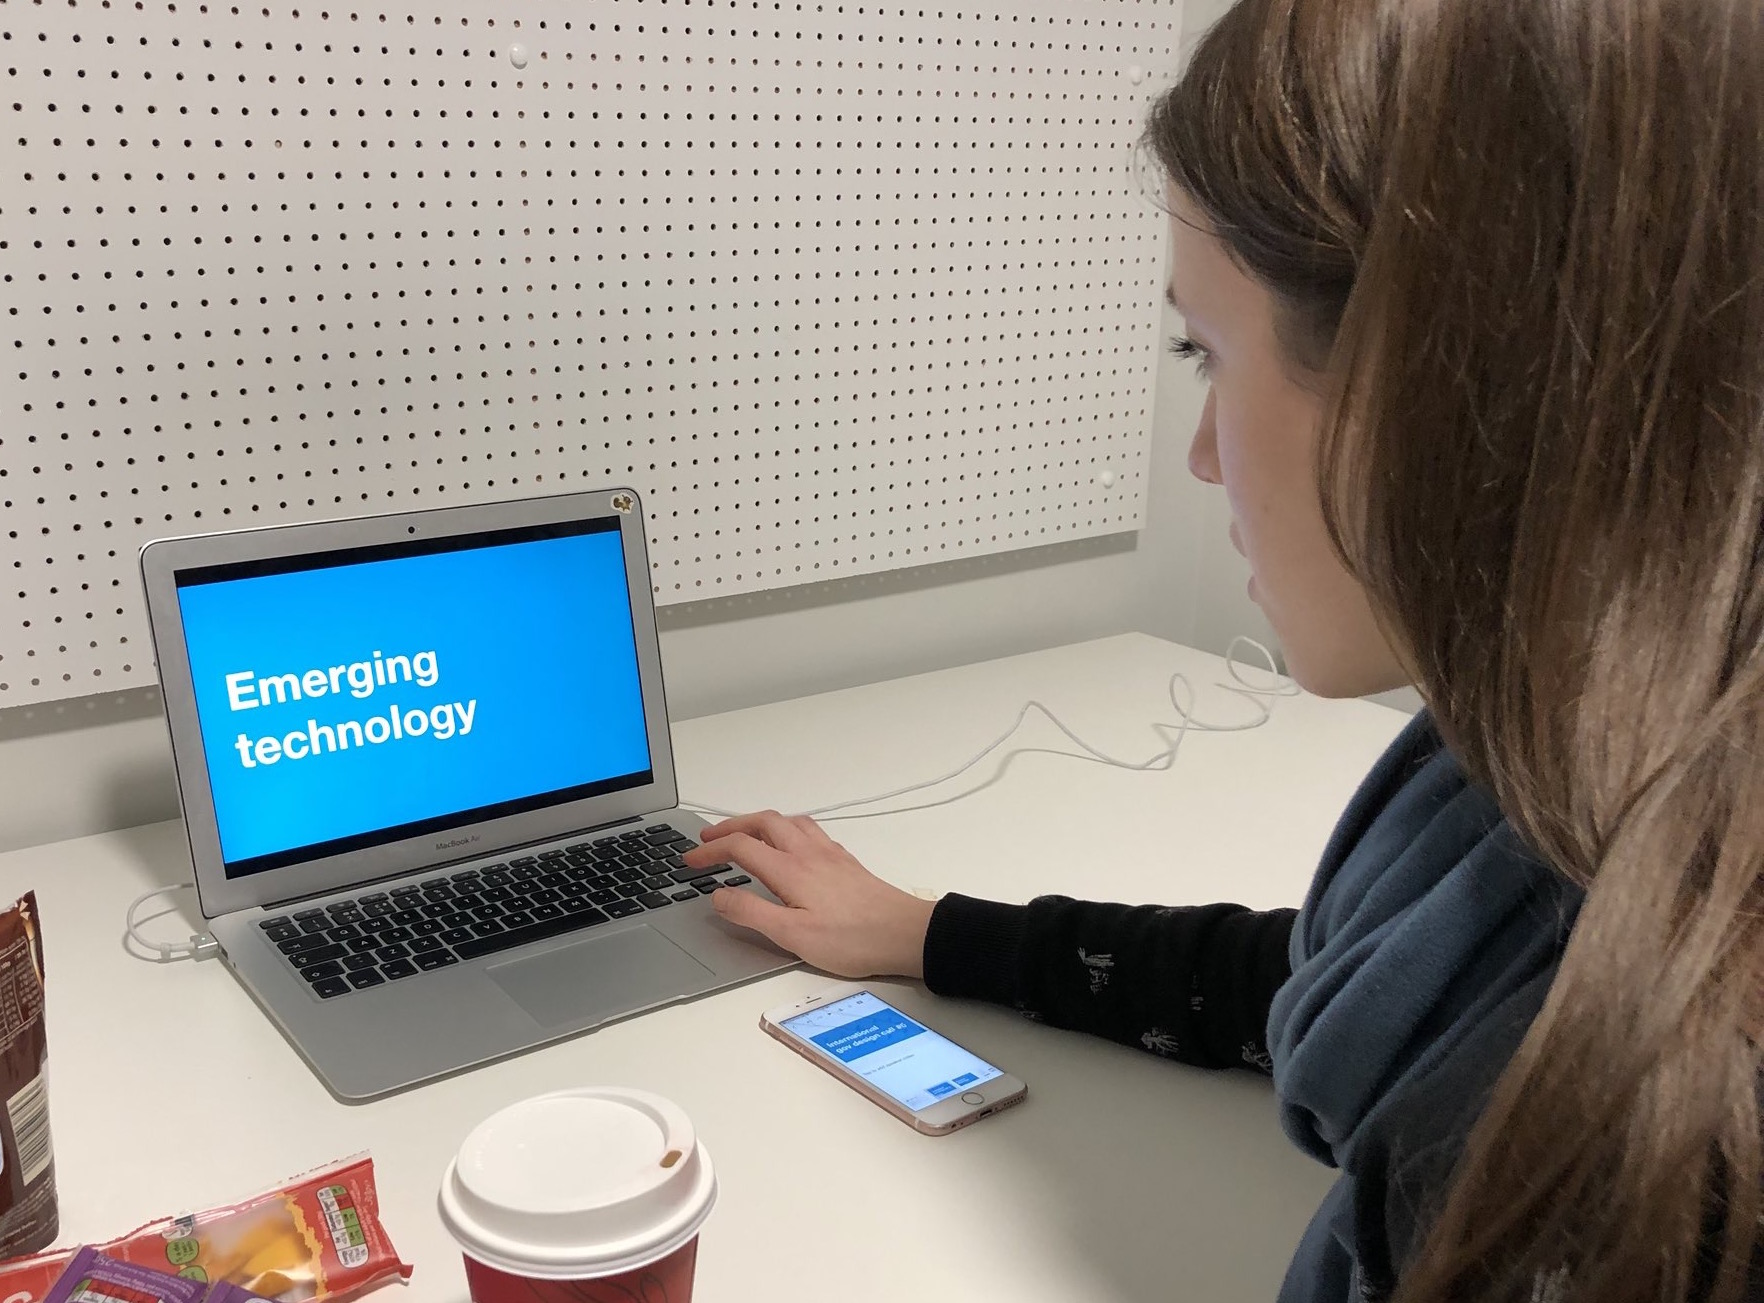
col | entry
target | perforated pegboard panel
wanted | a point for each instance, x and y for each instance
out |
(838, 287)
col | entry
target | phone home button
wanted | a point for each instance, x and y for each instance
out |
(973, 1097)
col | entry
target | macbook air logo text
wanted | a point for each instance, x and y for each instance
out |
(457, 841)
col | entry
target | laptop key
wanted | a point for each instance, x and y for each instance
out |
(280, 920)
(361, 945)
(286, 932)
(543, 912)
(577, 905)
(602, 881)
(306, 958)
(454, 935)
(654, 900)
(295, 944)
(436, 959)
(525, 872)
(399, 968)
(556, 853)
(739, 880)
(517, 918)
(685, 893)
(405, 917)
(408, 889)
(605, 896)
(500, 877)
(311, 925)
(428, 927)
(687, 875)
(344, 932)
(539, 931)
(366, 978)
(488, 927)
(426, 945)
(467, 900)
(704, 886)
(623, 909)
(331, 987)
(302, 916)
(660, 882)
(629, 889)
(318, 972)
(392, 952)
(359, 963)
(523, 862)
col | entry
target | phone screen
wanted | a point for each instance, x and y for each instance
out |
(889, 1050)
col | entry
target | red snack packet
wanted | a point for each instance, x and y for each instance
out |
(318, 1237)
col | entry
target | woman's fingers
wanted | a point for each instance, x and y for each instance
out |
(773, 867)
(777, 923)
(768, 825)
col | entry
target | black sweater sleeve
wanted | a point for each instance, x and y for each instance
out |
(1190, 983)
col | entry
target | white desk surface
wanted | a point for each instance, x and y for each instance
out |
(1122, 1177)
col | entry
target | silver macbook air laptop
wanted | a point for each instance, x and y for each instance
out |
(427, 777)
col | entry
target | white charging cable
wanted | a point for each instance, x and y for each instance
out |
(200, 945)
(1260, 696)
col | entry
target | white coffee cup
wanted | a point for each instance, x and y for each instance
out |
(594, 1184)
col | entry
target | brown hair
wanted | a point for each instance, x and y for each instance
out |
(1522, 247)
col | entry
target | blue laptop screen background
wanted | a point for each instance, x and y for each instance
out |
(353, 704)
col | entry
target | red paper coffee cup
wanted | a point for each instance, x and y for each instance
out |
(582, 1195)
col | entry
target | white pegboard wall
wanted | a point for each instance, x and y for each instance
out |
(839, 288)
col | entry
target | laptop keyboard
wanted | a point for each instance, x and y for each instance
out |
(386, 936)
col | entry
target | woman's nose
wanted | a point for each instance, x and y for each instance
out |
(1203, 452)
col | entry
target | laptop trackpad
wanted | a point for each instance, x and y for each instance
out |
(600, 977)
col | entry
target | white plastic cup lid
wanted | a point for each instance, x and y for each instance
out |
(578, 1184)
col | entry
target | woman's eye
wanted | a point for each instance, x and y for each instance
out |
(1185, 348)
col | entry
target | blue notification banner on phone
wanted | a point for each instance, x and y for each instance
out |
(867, 1035)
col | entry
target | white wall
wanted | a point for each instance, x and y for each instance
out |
(89, 764)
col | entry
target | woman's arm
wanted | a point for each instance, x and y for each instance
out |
(1191, 983)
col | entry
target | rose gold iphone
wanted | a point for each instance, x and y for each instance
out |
(925, 1080)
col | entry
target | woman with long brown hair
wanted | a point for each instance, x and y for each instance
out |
(1478, 286)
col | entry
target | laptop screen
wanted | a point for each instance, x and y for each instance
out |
(357, 697)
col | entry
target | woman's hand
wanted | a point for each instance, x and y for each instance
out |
(836, 913)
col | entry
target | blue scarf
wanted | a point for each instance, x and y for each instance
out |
(1424, 950)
